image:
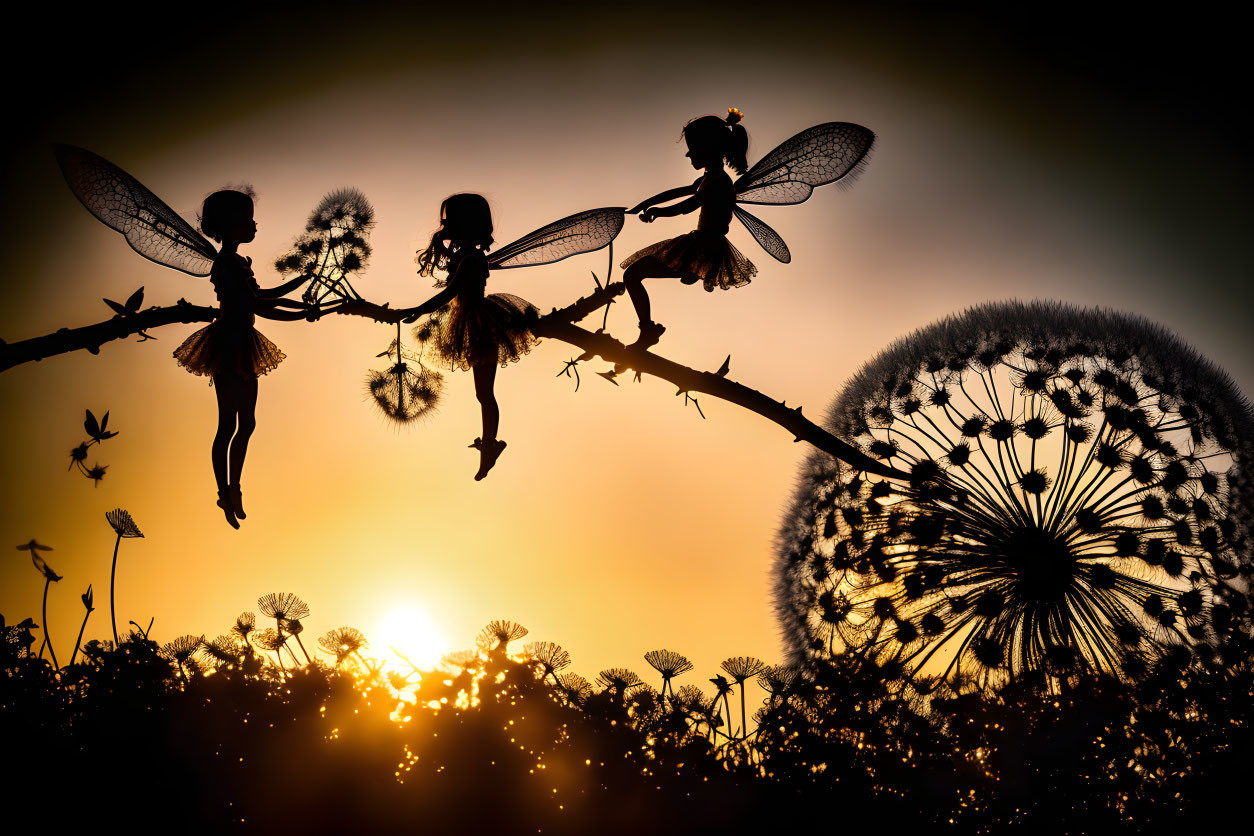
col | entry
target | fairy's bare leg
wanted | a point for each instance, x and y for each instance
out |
(247, 411)
(633, 278)
(227, 413)
(489, 446)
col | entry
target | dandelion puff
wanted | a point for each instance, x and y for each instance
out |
(741, 668)
(342, 642)
(245, 623)
(668, 663)
(181, 649)
(551, 657)
(575, 688)
(498, 634)
(405, 392)
(283, 606)
(778, 679)
(225, 649)
(333, 248)
(618, 679)
(270, 639)
(464, 659)
(122, 523)
(1085, 481)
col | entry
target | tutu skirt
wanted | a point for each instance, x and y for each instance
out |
(705, 257)
(491, 330)
(216, 348)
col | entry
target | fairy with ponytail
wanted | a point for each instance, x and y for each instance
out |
(827, 153)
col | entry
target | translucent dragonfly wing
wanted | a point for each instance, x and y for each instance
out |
(580, 233)
(823, 154)
(121, 202)
(764, 235)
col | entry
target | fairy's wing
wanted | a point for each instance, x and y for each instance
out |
(823, 154)
(580, 233)
(764, 235)
(121, 202)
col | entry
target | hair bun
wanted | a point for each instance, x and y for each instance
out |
(734, 115)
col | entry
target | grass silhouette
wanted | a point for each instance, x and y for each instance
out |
(222, 735)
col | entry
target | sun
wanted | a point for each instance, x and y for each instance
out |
(406, 631)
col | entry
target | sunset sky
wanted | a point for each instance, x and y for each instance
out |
(1015, 159)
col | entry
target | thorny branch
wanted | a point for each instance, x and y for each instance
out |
(557, 325)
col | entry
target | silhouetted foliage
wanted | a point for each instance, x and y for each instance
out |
(97, 431)
(209, 734)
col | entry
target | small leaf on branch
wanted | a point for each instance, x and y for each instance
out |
(135, 300)
(117, 309)
(725, 368)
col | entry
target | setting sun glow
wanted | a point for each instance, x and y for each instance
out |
(406, 633)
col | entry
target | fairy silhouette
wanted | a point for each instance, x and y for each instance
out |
(229, 350)
(480, 331)
(827, 153)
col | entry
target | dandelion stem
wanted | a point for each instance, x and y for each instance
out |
(47, 638)
(113, 574)
(79, 641)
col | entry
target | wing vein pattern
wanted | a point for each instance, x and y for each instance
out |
(583, 232)
(121, 202)
(827, 153)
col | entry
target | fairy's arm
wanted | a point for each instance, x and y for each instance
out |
(281, 314)
(433, 304)
(460, 273)
(281, 290)
(669, 194)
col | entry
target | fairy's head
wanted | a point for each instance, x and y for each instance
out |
(227, 216)
(712, 140)
(465, 221)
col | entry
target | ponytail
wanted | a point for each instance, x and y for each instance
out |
(737, 141)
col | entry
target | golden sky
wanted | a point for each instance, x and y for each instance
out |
(618, 521)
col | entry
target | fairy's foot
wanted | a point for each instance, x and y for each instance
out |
(489, 451)
(650, 334)
(228, 509)
(237, 502)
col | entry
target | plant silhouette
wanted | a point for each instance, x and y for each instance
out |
(124, 527)
(97, 431)
(497, 742)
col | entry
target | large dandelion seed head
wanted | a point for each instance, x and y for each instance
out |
(405, 392)
(1080, 501)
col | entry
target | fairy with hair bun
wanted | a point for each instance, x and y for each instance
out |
(827, 153)
(229, 351)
